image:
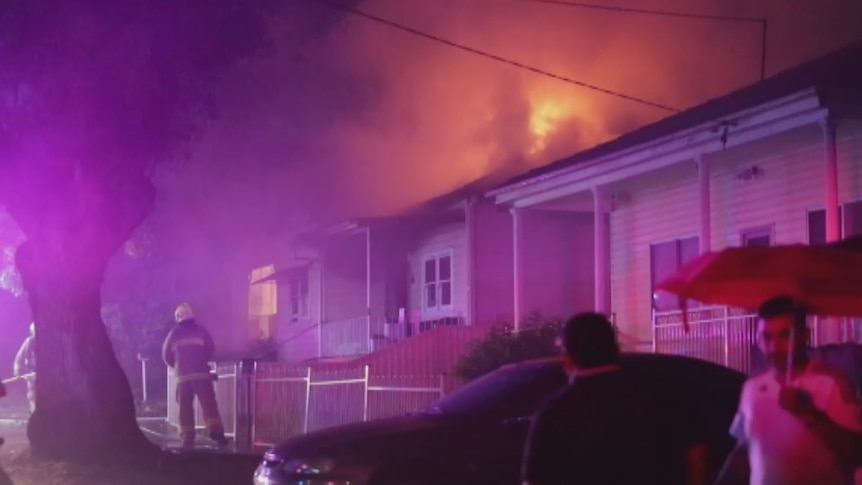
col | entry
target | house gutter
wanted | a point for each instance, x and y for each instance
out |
(698, 139)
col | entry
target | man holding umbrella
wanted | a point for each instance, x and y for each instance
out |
(798, 422)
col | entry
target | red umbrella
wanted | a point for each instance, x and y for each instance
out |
(827, 280)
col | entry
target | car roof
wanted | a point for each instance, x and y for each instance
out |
(636, 358)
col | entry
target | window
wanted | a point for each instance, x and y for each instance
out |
(851, 222)
(665, 259)
(757, 237)
(298, 297)
(262, 302)
(263, 293)
(852, 219)
(437, 282)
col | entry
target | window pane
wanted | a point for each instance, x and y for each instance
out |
(689, 249)
(758, 241)
(445, 294)
(445, 268)
(761, 237)
(853, 219)
(430, 271)
(817, 227)
(430, 296)
(664, 259)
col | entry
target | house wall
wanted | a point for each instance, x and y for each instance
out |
(389, 269)
(344, 277)
(557, 262)
(664, 205)
(492, 288)
(441, 238)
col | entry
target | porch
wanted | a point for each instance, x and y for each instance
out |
(351, 337)
(664, 194)
(726, 335)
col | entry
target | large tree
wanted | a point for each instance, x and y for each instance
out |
(94, 94)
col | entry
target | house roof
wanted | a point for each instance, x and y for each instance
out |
(429, 208)
(447, 200)
(284, 273)
(838, 71)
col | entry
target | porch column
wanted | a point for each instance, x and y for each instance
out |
(602, 250)
(833, 217)
(705, 204)
(368, 270)
(517, 222)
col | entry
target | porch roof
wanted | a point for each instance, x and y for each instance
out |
(285, 272)
(832, 80)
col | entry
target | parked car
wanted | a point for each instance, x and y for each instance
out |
(477, 433)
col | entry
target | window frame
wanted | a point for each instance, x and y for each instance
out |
(679, 241)
(301, 298)
(438, 282)
(842, 215)
(757, 232)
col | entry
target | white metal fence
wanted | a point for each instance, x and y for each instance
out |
(285, 400)
(725, 335)
(226, 393)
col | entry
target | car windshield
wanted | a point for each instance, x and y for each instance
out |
(512, 391)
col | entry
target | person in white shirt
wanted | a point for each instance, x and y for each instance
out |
(798, 422)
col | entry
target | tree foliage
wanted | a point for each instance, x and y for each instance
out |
(537, 338)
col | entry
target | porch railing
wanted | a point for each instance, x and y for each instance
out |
(726, 335)
(362, 335)
(347, 337)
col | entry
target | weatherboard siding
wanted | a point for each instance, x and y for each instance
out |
(664, 205)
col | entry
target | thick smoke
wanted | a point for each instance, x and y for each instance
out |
(352, 117)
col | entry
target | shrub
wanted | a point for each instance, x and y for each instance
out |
(536, 339)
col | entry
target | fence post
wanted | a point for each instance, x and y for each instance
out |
(654, 333)
(307, 399)
(726, 336)
(244, 404)
(171, 393)
(365, 396)
(143, 361)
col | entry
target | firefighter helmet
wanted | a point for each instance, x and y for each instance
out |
(183, 312)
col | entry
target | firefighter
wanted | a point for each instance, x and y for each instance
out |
(188, 349)
(25, 365)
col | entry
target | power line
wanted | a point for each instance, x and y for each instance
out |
(665, 13)
(662, 13)
(495, 57)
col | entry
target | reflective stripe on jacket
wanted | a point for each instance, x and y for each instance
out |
(188, 349)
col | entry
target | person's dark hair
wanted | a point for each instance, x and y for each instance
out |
(591, 341)
(783, 306)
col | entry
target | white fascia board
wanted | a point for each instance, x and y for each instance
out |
(342, 228)
(761, 114)
(571, 185)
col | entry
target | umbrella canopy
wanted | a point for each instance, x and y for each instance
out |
(827, 280)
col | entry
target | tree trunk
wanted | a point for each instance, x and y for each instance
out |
(84, 404)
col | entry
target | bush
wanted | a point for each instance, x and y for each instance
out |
(536, 339)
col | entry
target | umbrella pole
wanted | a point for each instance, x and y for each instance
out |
(684, 305)
(790, 356)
